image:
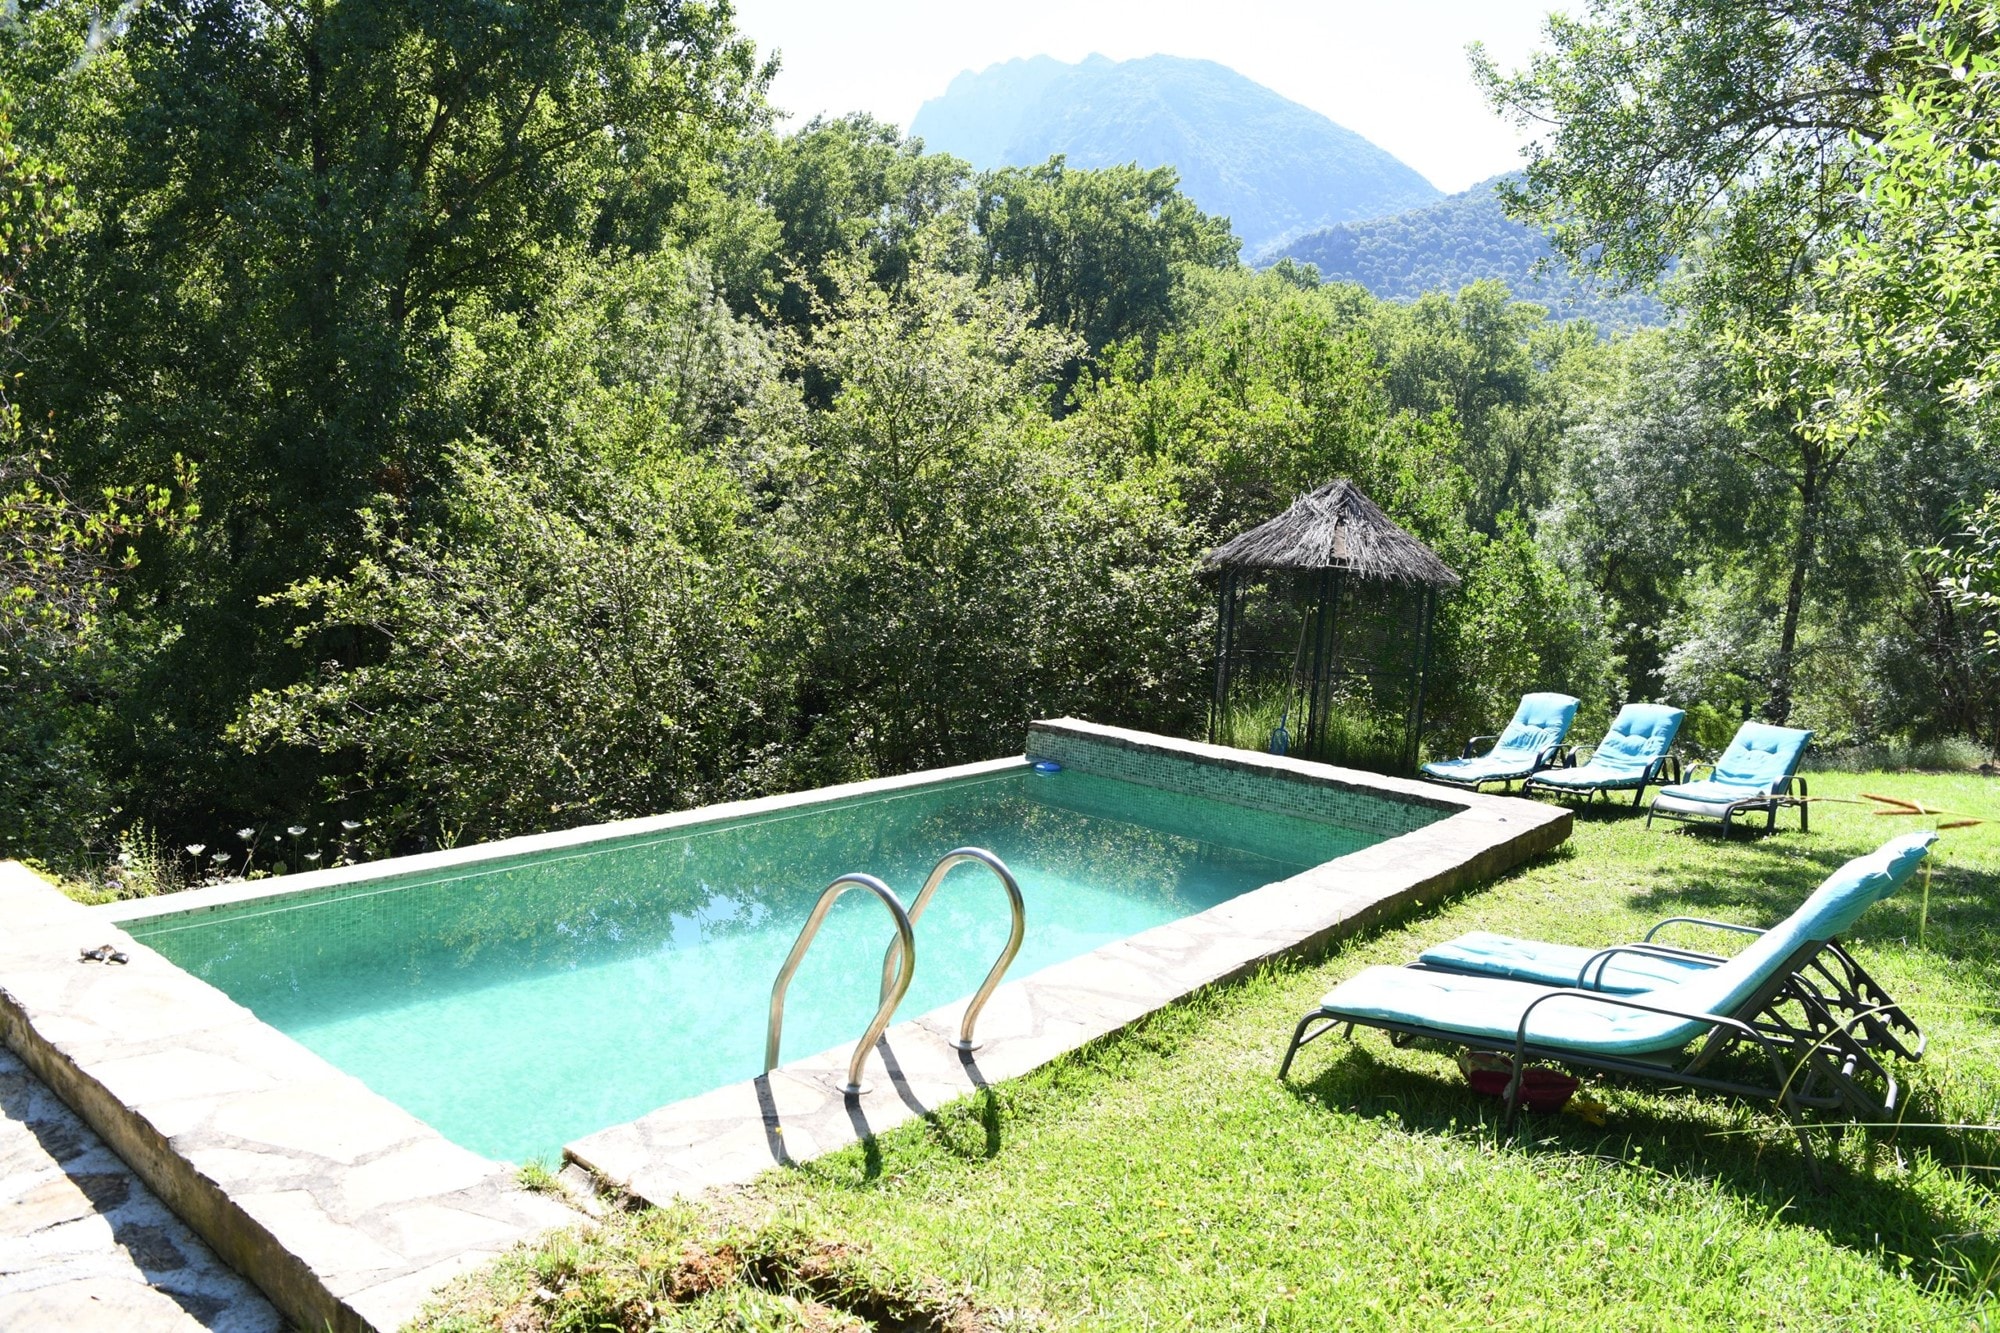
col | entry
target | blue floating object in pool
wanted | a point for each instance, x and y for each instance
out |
(1046, 767)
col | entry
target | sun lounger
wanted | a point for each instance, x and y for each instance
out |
(1635, 754)
(1531, 741)
(1759, 771)
(1672, 1033)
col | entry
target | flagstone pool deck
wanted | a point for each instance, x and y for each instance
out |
(85, 1247)
(346, 1211)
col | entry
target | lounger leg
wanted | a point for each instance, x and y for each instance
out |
(1299, 1038)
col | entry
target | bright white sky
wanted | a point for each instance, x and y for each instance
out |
(1393, 71)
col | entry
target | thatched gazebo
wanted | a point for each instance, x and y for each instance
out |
(1323, 628)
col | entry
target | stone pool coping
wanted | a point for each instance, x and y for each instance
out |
(343, 1208)
(347, 1211)
(797, 1111)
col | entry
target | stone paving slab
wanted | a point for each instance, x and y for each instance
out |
(796, 1112)
(86, 1247)
(344, 1209)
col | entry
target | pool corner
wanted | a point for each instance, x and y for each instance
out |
(345, 1210)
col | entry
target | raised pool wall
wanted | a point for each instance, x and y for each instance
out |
(348, 1211)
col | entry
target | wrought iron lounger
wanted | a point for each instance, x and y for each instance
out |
(1759, 771)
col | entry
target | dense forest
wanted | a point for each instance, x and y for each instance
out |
(431, 424)
(1464, 239)
(1274, 168)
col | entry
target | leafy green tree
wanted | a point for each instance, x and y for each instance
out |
(1723, 134)
(954, 567)
(292, 216)
(1486, 358)
(1098, 250)
(62, 558)
(854, 186)
(572, 644)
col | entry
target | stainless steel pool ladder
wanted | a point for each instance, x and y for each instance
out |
(899, 964)
(951, 860)
(828, 896)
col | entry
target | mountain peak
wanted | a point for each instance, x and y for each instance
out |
(1275, 168)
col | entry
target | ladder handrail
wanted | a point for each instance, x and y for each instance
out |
(904, 939)
(946, 864)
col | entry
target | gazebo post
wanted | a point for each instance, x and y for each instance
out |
(1316, 615)
(1225, 638)
(1415, 739)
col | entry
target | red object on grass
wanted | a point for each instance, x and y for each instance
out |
(1543, 1089)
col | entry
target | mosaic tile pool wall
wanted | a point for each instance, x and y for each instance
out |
(1250, 785)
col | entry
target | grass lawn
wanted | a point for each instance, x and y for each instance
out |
(1167, 1179)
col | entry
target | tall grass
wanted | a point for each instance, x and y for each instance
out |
(1353, 736)
(1949, 754)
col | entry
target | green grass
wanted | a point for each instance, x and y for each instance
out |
(1166, 1179)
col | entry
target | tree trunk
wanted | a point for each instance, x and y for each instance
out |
(1779, 709)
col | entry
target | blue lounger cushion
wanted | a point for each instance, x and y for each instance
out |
(1541, 720)
(1760, 761)
(1640, 737)
(1489, 1009)
(1546, 964)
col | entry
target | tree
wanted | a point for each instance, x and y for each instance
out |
(62, 559)
(953, 565)
(1097, 250)
(297, 219)
(853, 187)
(1723, 134)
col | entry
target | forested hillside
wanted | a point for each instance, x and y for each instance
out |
(1272, 167)
(394, 454)
(1443, 246)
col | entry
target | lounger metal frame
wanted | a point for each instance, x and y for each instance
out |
(1816, 1061)
(1768, 802)
(1837, 982)
(1657, 774)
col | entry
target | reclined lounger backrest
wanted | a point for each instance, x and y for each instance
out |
(1762, 757)
(1542, 720)
(1639, 735)
(1832, 908)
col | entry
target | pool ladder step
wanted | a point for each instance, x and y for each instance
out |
(899, 963)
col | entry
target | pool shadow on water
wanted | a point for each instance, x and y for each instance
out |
(1874, 1215)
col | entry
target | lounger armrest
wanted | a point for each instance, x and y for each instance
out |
(1472, 743)
(1700, 921)
(1550, 756)
(1576, 756)
(1602, 959)
(1688, 771)
(1736, 1026)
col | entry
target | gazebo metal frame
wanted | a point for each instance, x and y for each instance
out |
(1345, 565)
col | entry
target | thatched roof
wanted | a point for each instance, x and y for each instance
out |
(1336, 527)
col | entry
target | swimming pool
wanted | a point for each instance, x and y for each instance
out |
(518, 1004)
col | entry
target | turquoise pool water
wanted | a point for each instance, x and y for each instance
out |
(520, 1005)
